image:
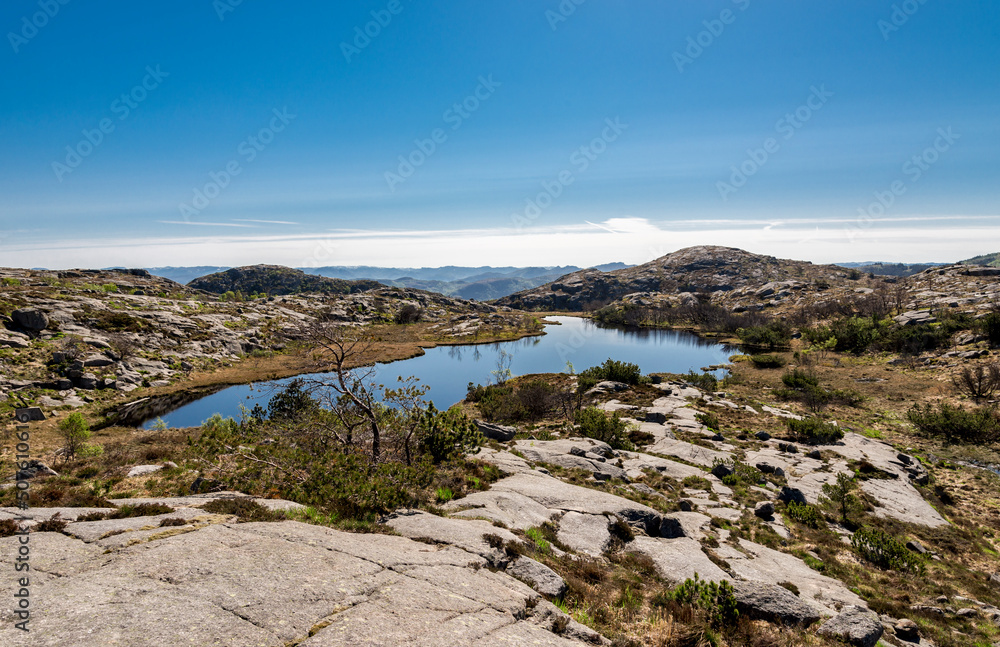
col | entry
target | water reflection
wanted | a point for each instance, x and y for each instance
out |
(447, 370)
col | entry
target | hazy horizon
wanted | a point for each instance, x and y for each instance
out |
(392, 133)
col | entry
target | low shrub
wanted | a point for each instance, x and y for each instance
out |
(703, 381)
(710, 420)
(813, 431)
(52, 524)
(612, 430)
(445, 435)
(142, 510)
(614, 371)
(805, 514)
(244, 509)
(767, 361)
(409, 314)
(773, 335)
(8, 527)
(955, 424)
(885, 551)
(719, 600)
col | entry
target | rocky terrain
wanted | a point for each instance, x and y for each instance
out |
(740, 281)
(457, 576)
(543, 536)
(70, 338)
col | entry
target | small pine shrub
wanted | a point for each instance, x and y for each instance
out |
(702, 381)
(767, 361)
(710, 420)
(990, 327)
(813, 431)
(612, 430)
(955, 424)
(774, 335)
(719, 600)
(805, 514)
(885, 551)
(614, 371)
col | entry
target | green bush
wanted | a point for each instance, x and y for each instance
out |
(702, 381)
(805, 514)
(813, 431)
(775, 334)
(955, 424)
(246, 510)
(612, 430)
(445, 435)
(710, 420)
(293, 402)
(767, 361)
(719, 600)
(528, 400)
(885, 551)
(614, 371)
(804, 386)
(75, 432)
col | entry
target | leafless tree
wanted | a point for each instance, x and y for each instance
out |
(979, 382)
(123, 345)
(361, 411)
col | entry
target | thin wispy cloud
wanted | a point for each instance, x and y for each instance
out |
(203, 224)
(266, 222)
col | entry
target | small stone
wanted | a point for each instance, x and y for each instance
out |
(907, 630)
(763, 435)
(789, 494)
(722, 470)
(687, 506)
(764, 509)
(855, 624)
(918, 548)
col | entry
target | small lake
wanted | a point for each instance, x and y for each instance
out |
(447, 370)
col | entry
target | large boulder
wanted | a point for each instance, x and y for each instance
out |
(585, 533)
(855, 624)
(30, 319)
(538, 576)
(502, 433)
(764, 601)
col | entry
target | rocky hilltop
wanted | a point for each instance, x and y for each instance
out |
(703, 269)
(273, 280)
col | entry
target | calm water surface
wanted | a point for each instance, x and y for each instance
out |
(447, 370)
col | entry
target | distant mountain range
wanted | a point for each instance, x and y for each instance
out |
(481, 283)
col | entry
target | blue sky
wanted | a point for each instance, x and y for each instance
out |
(537, 132)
